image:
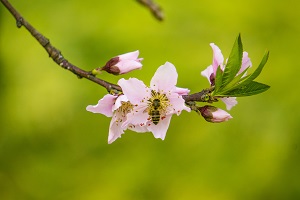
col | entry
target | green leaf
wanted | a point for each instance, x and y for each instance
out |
(234, 82)
(218, 79)
(250, 89)
(255, 74)
(234, 62)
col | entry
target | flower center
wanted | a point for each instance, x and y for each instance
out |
(157, 106)
(125, 108)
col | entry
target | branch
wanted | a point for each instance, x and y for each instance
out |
(54, 53)
(153, 7)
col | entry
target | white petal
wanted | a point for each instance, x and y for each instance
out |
(160, 130)
(104, 106)
(165, 78)
(208, 72)
(229, 101)
(134, 89)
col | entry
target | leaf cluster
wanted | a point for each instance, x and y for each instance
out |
(229, 84)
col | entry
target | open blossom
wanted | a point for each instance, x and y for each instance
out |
(213, 114)
(123, 64)
(116, 107)
(154, 106)
(218, 60)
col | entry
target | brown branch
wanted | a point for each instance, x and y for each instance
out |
(54, 53)
(153, 7)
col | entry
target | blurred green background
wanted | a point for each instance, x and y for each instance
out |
(52, 148)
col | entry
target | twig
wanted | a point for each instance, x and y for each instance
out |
(153, 7)
(54, 53)
(58, 58)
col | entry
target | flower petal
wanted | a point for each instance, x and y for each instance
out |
(160, 130)
(165, 78)
(104, 106)
(137, 117)
(208, 72)
(128, 65)
(177, 104)
(182, 91)
(134, 89)
(118, 102)
(218, 58)
(129, 56)
(229, 101)
(115, 131)
(246, 62)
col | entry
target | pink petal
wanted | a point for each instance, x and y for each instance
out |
(104, 106)
(207, 72)
(138, 129)
(165, 78)
(182, 91)
(137, 117)
(218, 58)
(160, 130)
(134, 89)
(128, 65)
(220, 116)
(115, 131)
(129, 56)
(119, 101)
(229, 101)
(246, 62)
(177, 104)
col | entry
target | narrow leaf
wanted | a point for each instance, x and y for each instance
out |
(218, 79)
(256, 73)
(234, 82)
(247, 90)
(234, 62)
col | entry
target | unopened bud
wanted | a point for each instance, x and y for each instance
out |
(123, 64)
(213, 114)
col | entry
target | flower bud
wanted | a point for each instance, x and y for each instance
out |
(213, 114)
(123, 64)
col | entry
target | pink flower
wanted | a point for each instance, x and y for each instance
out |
(213, 114)
(116, 107)
(154, 106)
(218, 60)
(123, 64)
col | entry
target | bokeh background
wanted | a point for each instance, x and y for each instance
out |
(52, 148)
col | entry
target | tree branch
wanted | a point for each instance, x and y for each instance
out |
(54, 53)
(153, 7)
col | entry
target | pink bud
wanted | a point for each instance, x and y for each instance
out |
(123, 64)
(213, 114)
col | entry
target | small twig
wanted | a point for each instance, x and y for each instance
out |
(154, 8)
(54, 53)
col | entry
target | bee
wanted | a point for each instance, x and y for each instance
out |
(154, 112)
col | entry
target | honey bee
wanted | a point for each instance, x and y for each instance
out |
(154, 111)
